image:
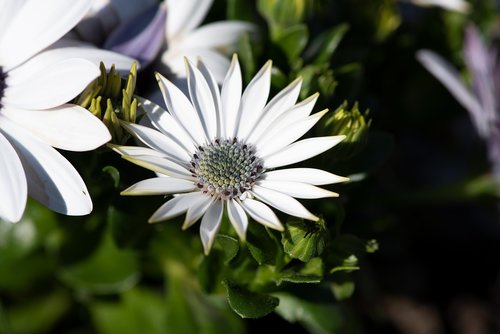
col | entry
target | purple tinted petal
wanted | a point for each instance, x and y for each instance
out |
(480, 62)
(141, 37)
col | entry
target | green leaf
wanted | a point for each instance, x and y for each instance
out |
(304, 240)
(138, 311)
(246, 56)
(209, 271)
(324, 45)
(228, 245)
(239, 10)
(188, 310)
(38, 314)
(23, 260)
(278, 78)
(262, 247)
(293, 41)
(107, 270)
(310, 272)
(317, 318)
(248, 304)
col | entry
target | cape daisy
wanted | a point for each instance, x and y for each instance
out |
(218, 150)
(34, 87)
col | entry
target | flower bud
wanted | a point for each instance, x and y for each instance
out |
(304, 240)
(351, 123)
(111, 99)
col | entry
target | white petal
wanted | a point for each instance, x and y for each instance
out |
(202, 100)
(69, 127)
(160, 186)
(238, 218)
(158, 141)
(218, 35)
(253, 101)
(184, 16)
(210, 225)
(161, 165)
(37, 25)
(51, 86)
(13, 187)
(197, 209)
(301, 150)
(214, 90)
(297, 189)
(54, 56)
(280, 104)
(77, 49)
(52, 180)
(135, 151)
(214, 60)
(261, 213)
(304, 175)
(8, 10)
(296, 113)
(182, 110)
(174, 207)
(275, 141)
(230, 98)
(165, 123)
(282, 202)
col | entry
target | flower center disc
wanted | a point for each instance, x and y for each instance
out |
(2, 84)
(226, 168)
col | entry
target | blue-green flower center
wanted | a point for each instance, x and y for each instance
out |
(226, 168)
(3, 76)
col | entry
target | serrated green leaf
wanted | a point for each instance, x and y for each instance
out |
(310, 272)
(248, 304)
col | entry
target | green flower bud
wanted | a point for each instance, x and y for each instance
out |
(304, 240)
(351, 123)
(111, 99)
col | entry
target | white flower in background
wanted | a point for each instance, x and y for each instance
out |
(211, 42)
(35, 86)
(461, 6)
(480, 94)
(218, 149)
(105, 16)
(143, 28)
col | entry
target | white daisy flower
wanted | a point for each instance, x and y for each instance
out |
(34, 117)
(211, 42)
(218, 150)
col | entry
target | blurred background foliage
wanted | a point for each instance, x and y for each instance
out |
(409, 247)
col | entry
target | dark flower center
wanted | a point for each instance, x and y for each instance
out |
(226, 168)
(3, 76)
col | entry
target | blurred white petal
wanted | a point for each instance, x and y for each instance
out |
(13, 186)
